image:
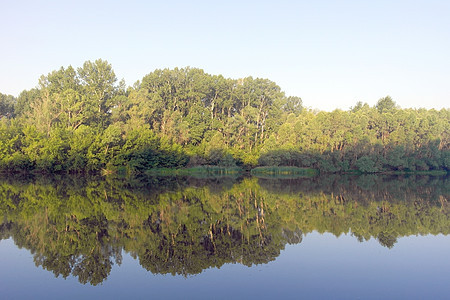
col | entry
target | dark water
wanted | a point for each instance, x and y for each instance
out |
(334, 237)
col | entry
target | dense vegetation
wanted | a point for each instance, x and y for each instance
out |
(84, 120)
(81, 226)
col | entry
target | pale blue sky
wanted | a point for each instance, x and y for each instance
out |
(330, 53)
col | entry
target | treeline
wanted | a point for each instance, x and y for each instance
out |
(85, 120)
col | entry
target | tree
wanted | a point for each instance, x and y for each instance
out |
(366, 164)
(385, 104)
(293, 105)
(99, 86)
(24, 101)
(7, 103)
(92, 117)
(358, 106)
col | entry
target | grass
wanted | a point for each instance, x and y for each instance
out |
(431, 172)
(196, 171)
(285, 171)
(403, 172)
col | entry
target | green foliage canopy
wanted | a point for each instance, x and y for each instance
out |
(84, 120)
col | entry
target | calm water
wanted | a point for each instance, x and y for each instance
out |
(334, 237)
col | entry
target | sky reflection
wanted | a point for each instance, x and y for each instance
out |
(321, 266)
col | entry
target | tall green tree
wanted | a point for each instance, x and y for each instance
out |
(385, 104)
(100, 88)
(7, 104)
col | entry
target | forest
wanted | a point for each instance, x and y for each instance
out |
(84, 120)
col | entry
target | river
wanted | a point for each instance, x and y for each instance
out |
(339, 237)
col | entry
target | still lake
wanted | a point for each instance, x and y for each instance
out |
(338, 237)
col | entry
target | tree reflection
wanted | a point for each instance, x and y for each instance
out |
(80, 227)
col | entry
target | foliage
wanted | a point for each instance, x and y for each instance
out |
(83, 120)
(7, 103)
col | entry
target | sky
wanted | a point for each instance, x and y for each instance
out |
(332, 54)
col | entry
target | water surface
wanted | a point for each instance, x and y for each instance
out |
(334, 237)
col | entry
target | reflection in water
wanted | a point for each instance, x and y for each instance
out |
(79, 226)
